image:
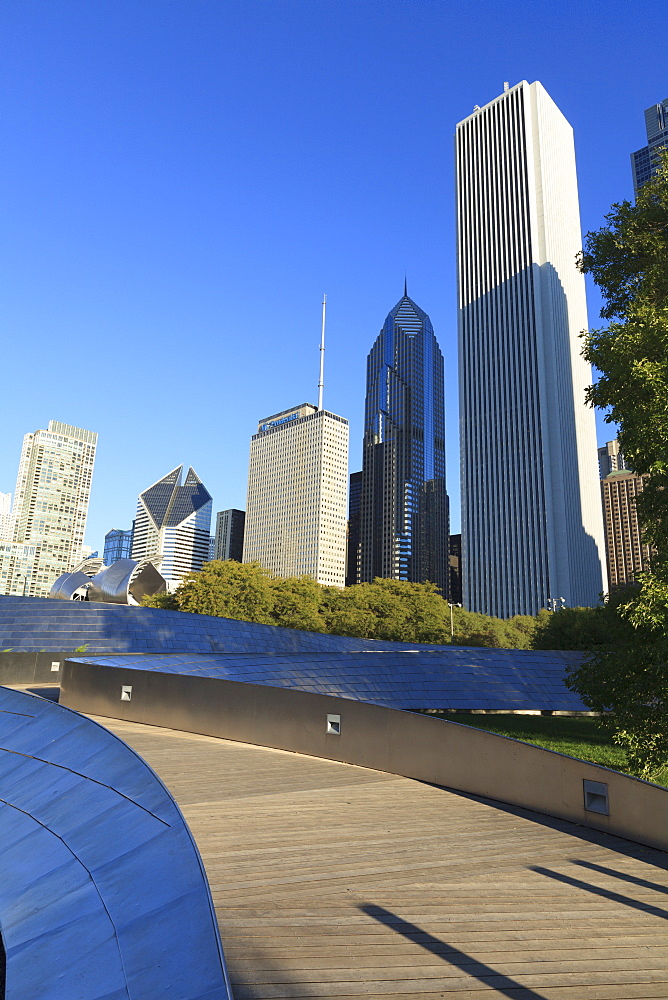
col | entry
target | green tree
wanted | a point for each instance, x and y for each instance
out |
(230, 590)
(390, 609)
(627, 259)
(587, 629)
(297, 603)
(165, 599)
(627, 678)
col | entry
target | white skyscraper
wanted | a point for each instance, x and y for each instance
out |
(532, 527)
(297, 490)
(6, 520)
(173, 524)
(50, 509)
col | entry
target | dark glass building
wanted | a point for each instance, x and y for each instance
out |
(404, 522)
(229, 539)
(117, 545)
(645, 161)
(353, 540)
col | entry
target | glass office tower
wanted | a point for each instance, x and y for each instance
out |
(117, 545)
(645, 161)
(404, 527)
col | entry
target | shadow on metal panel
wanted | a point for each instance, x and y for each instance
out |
(103, 894)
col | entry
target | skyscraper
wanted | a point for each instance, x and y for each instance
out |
(229, 540)
(50, 508)
(626, 551)
(610, 459)
(531, 517)
(645, 161)
(297, 487)
(404, 529)
(354, 519)
(173, 524)
(117, 545)
(6, 520)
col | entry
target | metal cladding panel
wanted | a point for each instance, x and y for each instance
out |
(449, 679)
(38, 624)
(66, 584)
(103, 894)
(111, 584)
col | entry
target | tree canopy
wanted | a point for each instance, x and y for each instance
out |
(384, 609)
(628, 259)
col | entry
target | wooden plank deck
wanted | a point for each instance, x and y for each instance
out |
(336, 881)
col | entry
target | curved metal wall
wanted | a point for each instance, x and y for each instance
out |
(102, 892)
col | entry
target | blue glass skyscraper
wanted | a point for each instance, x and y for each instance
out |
(645, 161)
(404, 517)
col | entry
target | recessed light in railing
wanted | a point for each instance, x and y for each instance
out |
(334, 725)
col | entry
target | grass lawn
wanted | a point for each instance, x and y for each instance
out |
(577, 736)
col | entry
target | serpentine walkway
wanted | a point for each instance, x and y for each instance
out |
(331, 880)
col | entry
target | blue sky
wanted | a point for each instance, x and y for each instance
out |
(183, 179)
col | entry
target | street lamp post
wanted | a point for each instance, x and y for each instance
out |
(554, 602)
(452, 623)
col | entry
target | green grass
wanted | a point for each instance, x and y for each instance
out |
(577, 736)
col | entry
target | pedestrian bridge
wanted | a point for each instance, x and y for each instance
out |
(332, 880)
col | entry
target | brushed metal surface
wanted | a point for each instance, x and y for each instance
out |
(102, 890)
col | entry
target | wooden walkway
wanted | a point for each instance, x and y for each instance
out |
(336, 881)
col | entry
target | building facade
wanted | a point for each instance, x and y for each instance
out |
(50, 509)
(404, 522)
(6, 520)
(456, 569)
(531, 518)
(626, 552)
(229, 538)
(610, 459)
(117, 545)
(297, 489)
(645, 161)
(173, 524)
(354, 522)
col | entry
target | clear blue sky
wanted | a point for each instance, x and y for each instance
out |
(183, 179)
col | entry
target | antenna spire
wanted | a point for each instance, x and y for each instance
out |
(321, 383)
(405, 286)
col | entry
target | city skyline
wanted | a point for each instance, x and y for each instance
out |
(151, 239)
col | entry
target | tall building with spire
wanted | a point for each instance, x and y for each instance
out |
(297, 488)
(173, 525)
(404, 520)
(532, 529)
(48, 520)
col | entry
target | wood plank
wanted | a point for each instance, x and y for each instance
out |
(334, 880)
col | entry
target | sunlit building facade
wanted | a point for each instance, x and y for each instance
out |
(532, 530)
(50, 508)
(404, 519)
(173, 524)
(297, 491)
(626, 552)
